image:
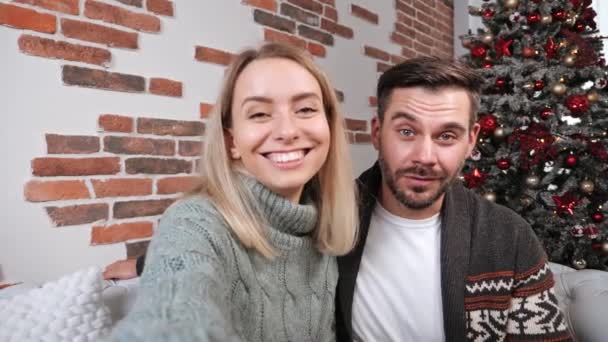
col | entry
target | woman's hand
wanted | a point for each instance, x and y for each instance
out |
(121, 269)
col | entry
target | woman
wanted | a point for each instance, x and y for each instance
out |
(250, 255)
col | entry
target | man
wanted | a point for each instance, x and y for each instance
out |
(434, 261)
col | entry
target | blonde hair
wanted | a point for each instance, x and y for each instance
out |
(333, 186)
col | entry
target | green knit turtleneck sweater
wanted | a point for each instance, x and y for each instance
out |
(201, 284)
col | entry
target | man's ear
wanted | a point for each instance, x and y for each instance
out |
(229, 141)
(376, 132)
(473, 138)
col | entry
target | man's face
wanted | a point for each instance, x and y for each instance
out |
(422, 144)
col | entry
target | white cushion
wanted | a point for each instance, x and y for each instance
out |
(69, 309)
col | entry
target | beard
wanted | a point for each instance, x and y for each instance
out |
(415, 198)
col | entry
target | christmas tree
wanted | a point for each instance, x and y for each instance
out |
(544, 122)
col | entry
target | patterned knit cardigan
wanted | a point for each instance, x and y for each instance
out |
(496, 284)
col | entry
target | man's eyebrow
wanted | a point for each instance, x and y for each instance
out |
(403, 115)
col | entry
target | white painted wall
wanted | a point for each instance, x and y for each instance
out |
(35, 102)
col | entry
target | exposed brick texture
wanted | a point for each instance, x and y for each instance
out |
(64, 6)
(157, 166)
(211, 55)
(25, 18)
(78, 214)
(274, 21)
(162, 7)
(98, 34)
(49, 48)
(131, 145)
(173, 185)
(310, 5)
(190, 148)
(44, 191)
(376, 53)
(141, 208)
(67, 144)
(101, 79)
(46, 167)
(205, 109)
(269, 5)
(121, 232)
(356, 125)
(117, 15)
(170, 127)
(122, 187)
(364, 14)
(299, 14)
(279, 37)
(316, 35)
(135, 3)
(115, 123)
(165, 87)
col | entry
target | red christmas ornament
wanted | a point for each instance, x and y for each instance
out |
(488, 123)
(500, 82)
(592, 232)
(580, 26)
(577, 231)
(533, 18)
(539, 84)
(597, 217)
(502, 47)
(559, 14)
(474, 179)
(487, 13)
(571, 161)
(577, 104)
(546, 113)
(551, 48)
(479, 51)
(528, 52)
(487, 65)
(503, 164)
(601, 62)
(598, 150)
(565, 203)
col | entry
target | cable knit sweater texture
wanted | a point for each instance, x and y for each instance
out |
(201, 284)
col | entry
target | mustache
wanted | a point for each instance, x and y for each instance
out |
(419, 171)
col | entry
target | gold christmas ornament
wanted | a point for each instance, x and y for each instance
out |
(546, 19)
(500, 133)
(573, 51)
(511, 4)
(593, 96)
(532, 181)
(490, 196)
(587, 186)
(467, 42)
(564, 43)
(474, 10)
(526, 201)
(604, 248)
(569, 60)
(487, 38)
(558, 89)
(562, 80)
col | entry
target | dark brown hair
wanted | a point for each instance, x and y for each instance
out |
(432, 73)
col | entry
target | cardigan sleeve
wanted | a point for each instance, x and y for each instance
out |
(534, 311)
(183, 294)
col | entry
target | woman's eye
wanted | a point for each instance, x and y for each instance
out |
(306, 110)
(258, 115)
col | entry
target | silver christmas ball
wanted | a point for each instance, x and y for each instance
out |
(604, 248)
(532, 181)
(490, 196)
(579, 263)
(587, 186)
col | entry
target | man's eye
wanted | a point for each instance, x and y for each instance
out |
(447, 137)
(406, 132)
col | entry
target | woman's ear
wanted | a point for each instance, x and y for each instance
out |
(229, 141)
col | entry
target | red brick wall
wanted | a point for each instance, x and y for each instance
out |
(121, 179)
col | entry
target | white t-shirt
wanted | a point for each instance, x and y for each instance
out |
(398, 289)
